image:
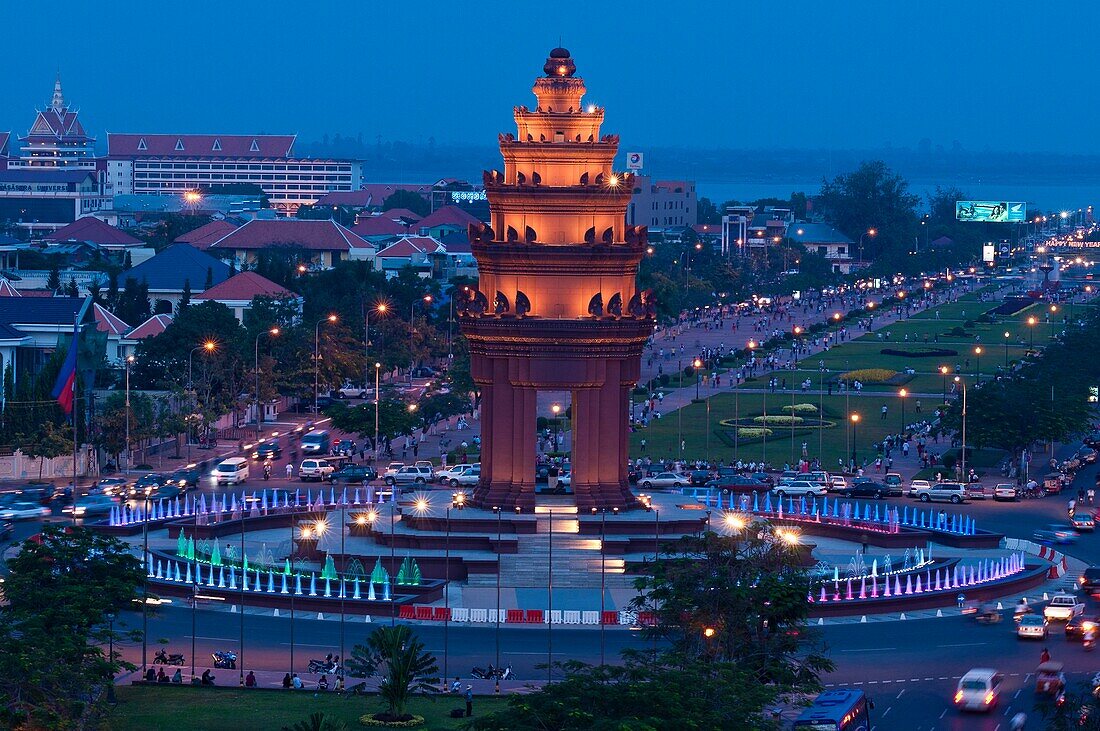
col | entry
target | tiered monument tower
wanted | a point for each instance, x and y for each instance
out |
(557, 306)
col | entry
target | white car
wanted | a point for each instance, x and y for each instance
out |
(19, 511)
(979, 690)
(1005, 491)
(470, 476)
(1063, 608)
(315, 469)
(392, 469)
(918, 485)
(663, 479)
(838, 482)
(349, 390)
(1032, 625)
(798, 488)
(445, 475)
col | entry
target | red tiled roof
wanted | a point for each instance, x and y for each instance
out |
(107, 322)
(56, 123)
(94, 230)
(447, 216)
(402, 213)
(244, 287)
(409, 246)
(379, 226)
(202, 237)
(155, 325)
(7, 290)
(159, 145)
(311, 235)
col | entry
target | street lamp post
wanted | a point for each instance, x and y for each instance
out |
(855, 422)
(869, 232)
(209, 346)
(317, 358)
(977, 364)
(1031, 322)
(943, 372)
(901, 397)
(794, 345)
(836, 328)
(380, 309)
(697, 365)
(1007, 336)
(496, 509)
(377, 369)
(555, 409)
(259, 410)
(129, 460)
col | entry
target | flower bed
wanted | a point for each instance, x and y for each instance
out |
(801, 408)
(384, 720)
(868, 375)
(778, 419)
(750, 432)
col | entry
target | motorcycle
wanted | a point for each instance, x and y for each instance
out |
(226, 660)
(163, 658)
(328, 666)
(492, 673)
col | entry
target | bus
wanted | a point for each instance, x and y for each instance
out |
(842, 709)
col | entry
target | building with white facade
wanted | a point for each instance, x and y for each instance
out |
(662, 203)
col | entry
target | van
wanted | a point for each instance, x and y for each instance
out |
(232, 471)
(316, 442)
(979, 690)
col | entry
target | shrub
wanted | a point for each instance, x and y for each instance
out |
(959, 332)
(411, 721)
(778, 419)
(801, 408)
(750, 432)
(868, 375)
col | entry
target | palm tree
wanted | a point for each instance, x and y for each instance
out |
(399, 656)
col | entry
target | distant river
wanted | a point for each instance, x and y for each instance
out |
(1039, 196)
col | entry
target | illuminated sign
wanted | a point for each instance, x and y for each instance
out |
(988, 253)
(634, 160)
(991, 211)
(467, 196)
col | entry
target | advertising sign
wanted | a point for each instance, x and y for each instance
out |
(634, 160)
(988, 253)
(991, 211)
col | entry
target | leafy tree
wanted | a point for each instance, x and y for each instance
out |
(399, 656)
(53, 629)
(341, 214)
(95, 291)
(71, 289)
(47, 442)
(640, 695)
(318, 722)
(133, 302)
(185, 297)
(171, 227)
(394, 418)
(407, 199)
(707, 212)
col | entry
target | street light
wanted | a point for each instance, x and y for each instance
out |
(129, 362)
(869, 232)
(259, 411)
(901, 397)
(697, 365)
(555, 409)
(854, 418)
(1007, 336)
(978, 364)
(836, 328)
(377, 370)
(1031, 322)
(317, 357)
(380, 309)
(943, 372)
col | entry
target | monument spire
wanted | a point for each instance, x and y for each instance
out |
(58, 101)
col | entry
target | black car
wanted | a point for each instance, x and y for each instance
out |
(1076, 626)
(865, 488)
(1086, 454)
(698, 478)
(186, 479)
(42, 494)
(268, 450)
(738, 483)
(1090, 580)
(148, 484)
(353, 473)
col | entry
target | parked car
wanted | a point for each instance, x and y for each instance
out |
(893, 482)
(1056, 533)
(443, 476)
(471, 475)
(91, 505)
(1006, 491)
(838, 482)
(915, 485)
(664, 479)
(268, 450)
(23, 510)
(954, 492)
(410, 475)
(865, 488)
(1063, 607)
(349, 390)
(392, 469)
(315, 469)
(1032, 626)
(797, 488)
(344, 448)
(698, 478)
(738, 484)
(1093, 440)
(354, 473)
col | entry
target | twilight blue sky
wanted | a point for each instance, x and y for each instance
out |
(1005, 75)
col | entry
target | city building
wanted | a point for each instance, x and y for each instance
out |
(56, 139)
(173, 164)
(824, 240)
(238, 292)
(202, 237)
(745, 229)
(92, 230)
(445, 220)
(317, 244)
(178, 268)
(408, 251)
(152, 327)
(557, 307)
(662, 203)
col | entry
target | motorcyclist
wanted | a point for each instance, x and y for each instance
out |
(1088, 638)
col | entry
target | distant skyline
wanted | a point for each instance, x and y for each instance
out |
(1004, 76)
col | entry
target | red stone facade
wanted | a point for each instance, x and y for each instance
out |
(557, 306)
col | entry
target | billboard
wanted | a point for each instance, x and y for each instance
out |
(991, 211)
(988, 255)
(634, 160)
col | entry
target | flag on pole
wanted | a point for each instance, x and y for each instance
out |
(64, 389)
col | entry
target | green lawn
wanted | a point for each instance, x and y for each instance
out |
(202, 709)
(663, 436)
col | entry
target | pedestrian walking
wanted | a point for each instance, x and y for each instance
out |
(289, 470)
(469, 701)
(884, 409)
(1045, 656)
